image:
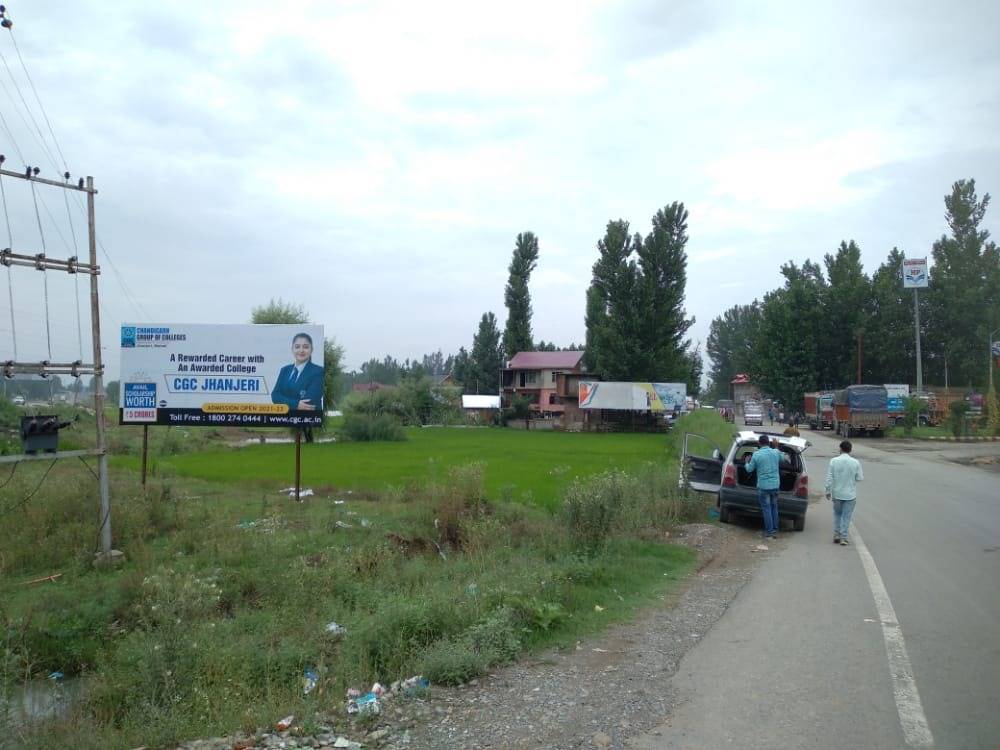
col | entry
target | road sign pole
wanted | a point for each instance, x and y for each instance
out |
(916, 318)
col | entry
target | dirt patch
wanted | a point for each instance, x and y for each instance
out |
(606, 688)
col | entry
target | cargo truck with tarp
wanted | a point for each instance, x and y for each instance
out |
(818, 408)
(860, 409)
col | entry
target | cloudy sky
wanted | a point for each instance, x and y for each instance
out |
(374, 161)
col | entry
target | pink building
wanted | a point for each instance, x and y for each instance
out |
(536, 375)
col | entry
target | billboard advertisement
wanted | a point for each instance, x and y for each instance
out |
(655, 397)
(221, 375)
(896, 394)
(914, 273)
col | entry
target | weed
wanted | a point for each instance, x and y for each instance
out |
(365, 428)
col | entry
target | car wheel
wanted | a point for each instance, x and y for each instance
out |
(799, 523)
(725, 515)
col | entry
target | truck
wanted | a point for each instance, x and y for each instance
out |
(818, 410)
(860, 409)
(896, 394)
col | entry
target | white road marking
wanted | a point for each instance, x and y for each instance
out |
(904, 687)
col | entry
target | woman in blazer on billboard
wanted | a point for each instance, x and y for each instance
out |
(300, 384)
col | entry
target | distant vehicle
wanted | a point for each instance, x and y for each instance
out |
(736, 490)
(753, 413)
(860, 409)
(707, 406)
(727, 409)
(819, 410)
(18, 400)
(896, 395)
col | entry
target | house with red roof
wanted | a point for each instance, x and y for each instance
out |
(550, 380)
(743, 390)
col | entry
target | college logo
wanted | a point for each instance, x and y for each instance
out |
(128, 336)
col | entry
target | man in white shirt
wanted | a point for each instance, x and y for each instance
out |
(841, 487)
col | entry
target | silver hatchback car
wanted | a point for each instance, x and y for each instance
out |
(736, 491)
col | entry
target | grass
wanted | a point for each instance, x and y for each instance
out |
(228, 586)
(931, 432)
(522, 465)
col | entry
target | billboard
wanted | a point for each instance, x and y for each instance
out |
(655, 397)
(217, 375)
(914, 273)
(896, 394)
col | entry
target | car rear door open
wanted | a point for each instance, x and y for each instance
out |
(702, 473)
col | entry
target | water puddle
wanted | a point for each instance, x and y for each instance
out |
(281, 440)
(38, 699)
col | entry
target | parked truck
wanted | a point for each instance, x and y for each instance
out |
(896, 395)
(819, 410)
(860, 409)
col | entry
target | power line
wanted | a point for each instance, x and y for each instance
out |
(26, 498)
(130, 296)
(41, 136)
(37, 98)
(10, 135)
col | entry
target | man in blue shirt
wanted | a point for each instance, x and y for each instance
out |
(766, 462)
(842, 487)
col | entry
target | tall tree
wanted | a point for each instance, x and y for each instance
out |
(694, 367)
(890, 347)
(486, 359)
(731, 338)
(461, 367)
(964, 289)
(278, 311)
(846, 300)
(613, 310)
(517, 333)
(663, 272)
(787, 351)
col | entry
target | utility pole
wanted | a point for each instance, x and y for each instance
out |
(990, 360)
(95, 324)
(75, 369)
(916, 277)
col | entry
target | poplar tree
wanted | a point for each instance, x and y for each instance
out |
(964, 290)
(517, 333)
(486, 359)
(661, 348)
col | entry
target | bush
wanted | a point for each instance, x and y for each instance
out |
(956, 419)
(455, 506)
(365, 428)
(993, 411)
(452, 661)
(415, 401)
(913, 407)
(590, 508)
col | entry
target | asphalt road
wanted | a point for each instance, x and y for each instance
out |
(813, 654)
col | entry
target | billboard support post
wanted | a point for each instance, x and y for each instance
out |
(298, 464)
(145, 452)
